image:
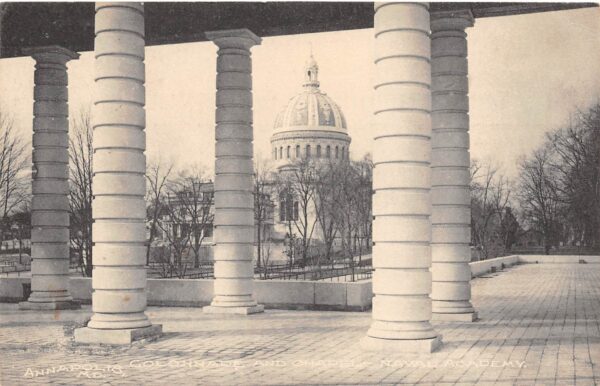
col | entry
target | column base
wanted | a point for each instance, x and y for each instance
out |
(237, 310)
(446, 317)
(116, 337)
(49, 306)
(415, 346)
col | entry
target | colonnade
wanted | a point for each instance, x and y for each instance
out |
(50, 181)
(450, 167)
(234, 176)
(420, 205)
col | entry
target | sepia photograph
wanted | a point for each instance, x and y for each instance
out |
(299, 193)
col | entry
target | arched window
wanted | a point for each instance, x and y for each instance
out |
(275, 153)
(288, 208)
(282, 205)
(288, 152)
(328, 151)
(297, 151)
(337, 152)
(280, 152)
(307, 151)
(318, 151)
(343, 152)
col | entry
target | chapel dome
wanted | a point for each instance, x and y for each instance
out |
(311, 109)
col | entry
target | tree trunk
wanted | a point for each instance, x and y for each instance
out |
(547, 245)
(258, 242)
(150, 240)
(20, 245)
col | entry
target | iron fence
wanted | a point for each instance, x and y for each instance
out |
(343, 270)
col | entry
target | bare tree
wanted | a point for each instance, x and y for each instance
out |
(363, 190)
(171, 224)
(265, 252)
(354, 207)
(328, 200)
(157, 175)
(538, 196)
(20, 224)
(195, 194)
(80, 196)
(288, 214)
(346, 210)
(263, 210)
(510, 229)
(187, 215)
(490, 196)
(14, 163)
(576, 167)
(298, 183)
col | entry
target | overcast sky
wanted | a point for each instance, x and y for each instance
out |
(527, 73)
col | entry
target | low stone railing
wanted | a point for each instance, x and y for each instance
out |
(482, 267)
(558, 259)
(281, 294)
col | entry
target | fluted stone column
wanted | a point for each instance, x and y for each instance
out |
(451, 202)
(50, 187)
(402, 181)
(119, 234)
(234, 204)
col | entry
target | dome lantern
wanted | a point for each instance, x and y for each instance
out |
(311, 73)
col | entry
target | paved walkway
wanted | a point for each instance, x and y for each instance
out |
(539, 325)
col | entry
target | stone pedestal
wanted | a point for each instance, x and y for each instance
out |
(234, 202)
(119, 210)
(451, 200)
(50, 186)
(402, 181)
(456, 317)
(243, 310)
(117, 337)
(49, 306)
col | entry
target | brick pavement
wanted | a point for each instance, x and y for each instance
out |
(539, 326)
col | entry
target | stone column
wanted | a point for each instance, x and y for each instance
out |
(234, 203)
(50, 187)
(451, 202)
(401, 181)
(119, 234)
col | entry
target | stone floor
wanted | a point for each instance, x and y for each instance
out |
(539, 325)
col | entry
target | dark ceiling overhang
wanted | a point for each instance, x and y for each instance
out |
(72, 24)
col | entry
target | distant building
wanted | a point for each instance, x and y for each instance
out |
(187, 213)
(311, 126)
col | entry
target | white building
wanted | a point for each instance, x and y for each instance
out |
(311, 125)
